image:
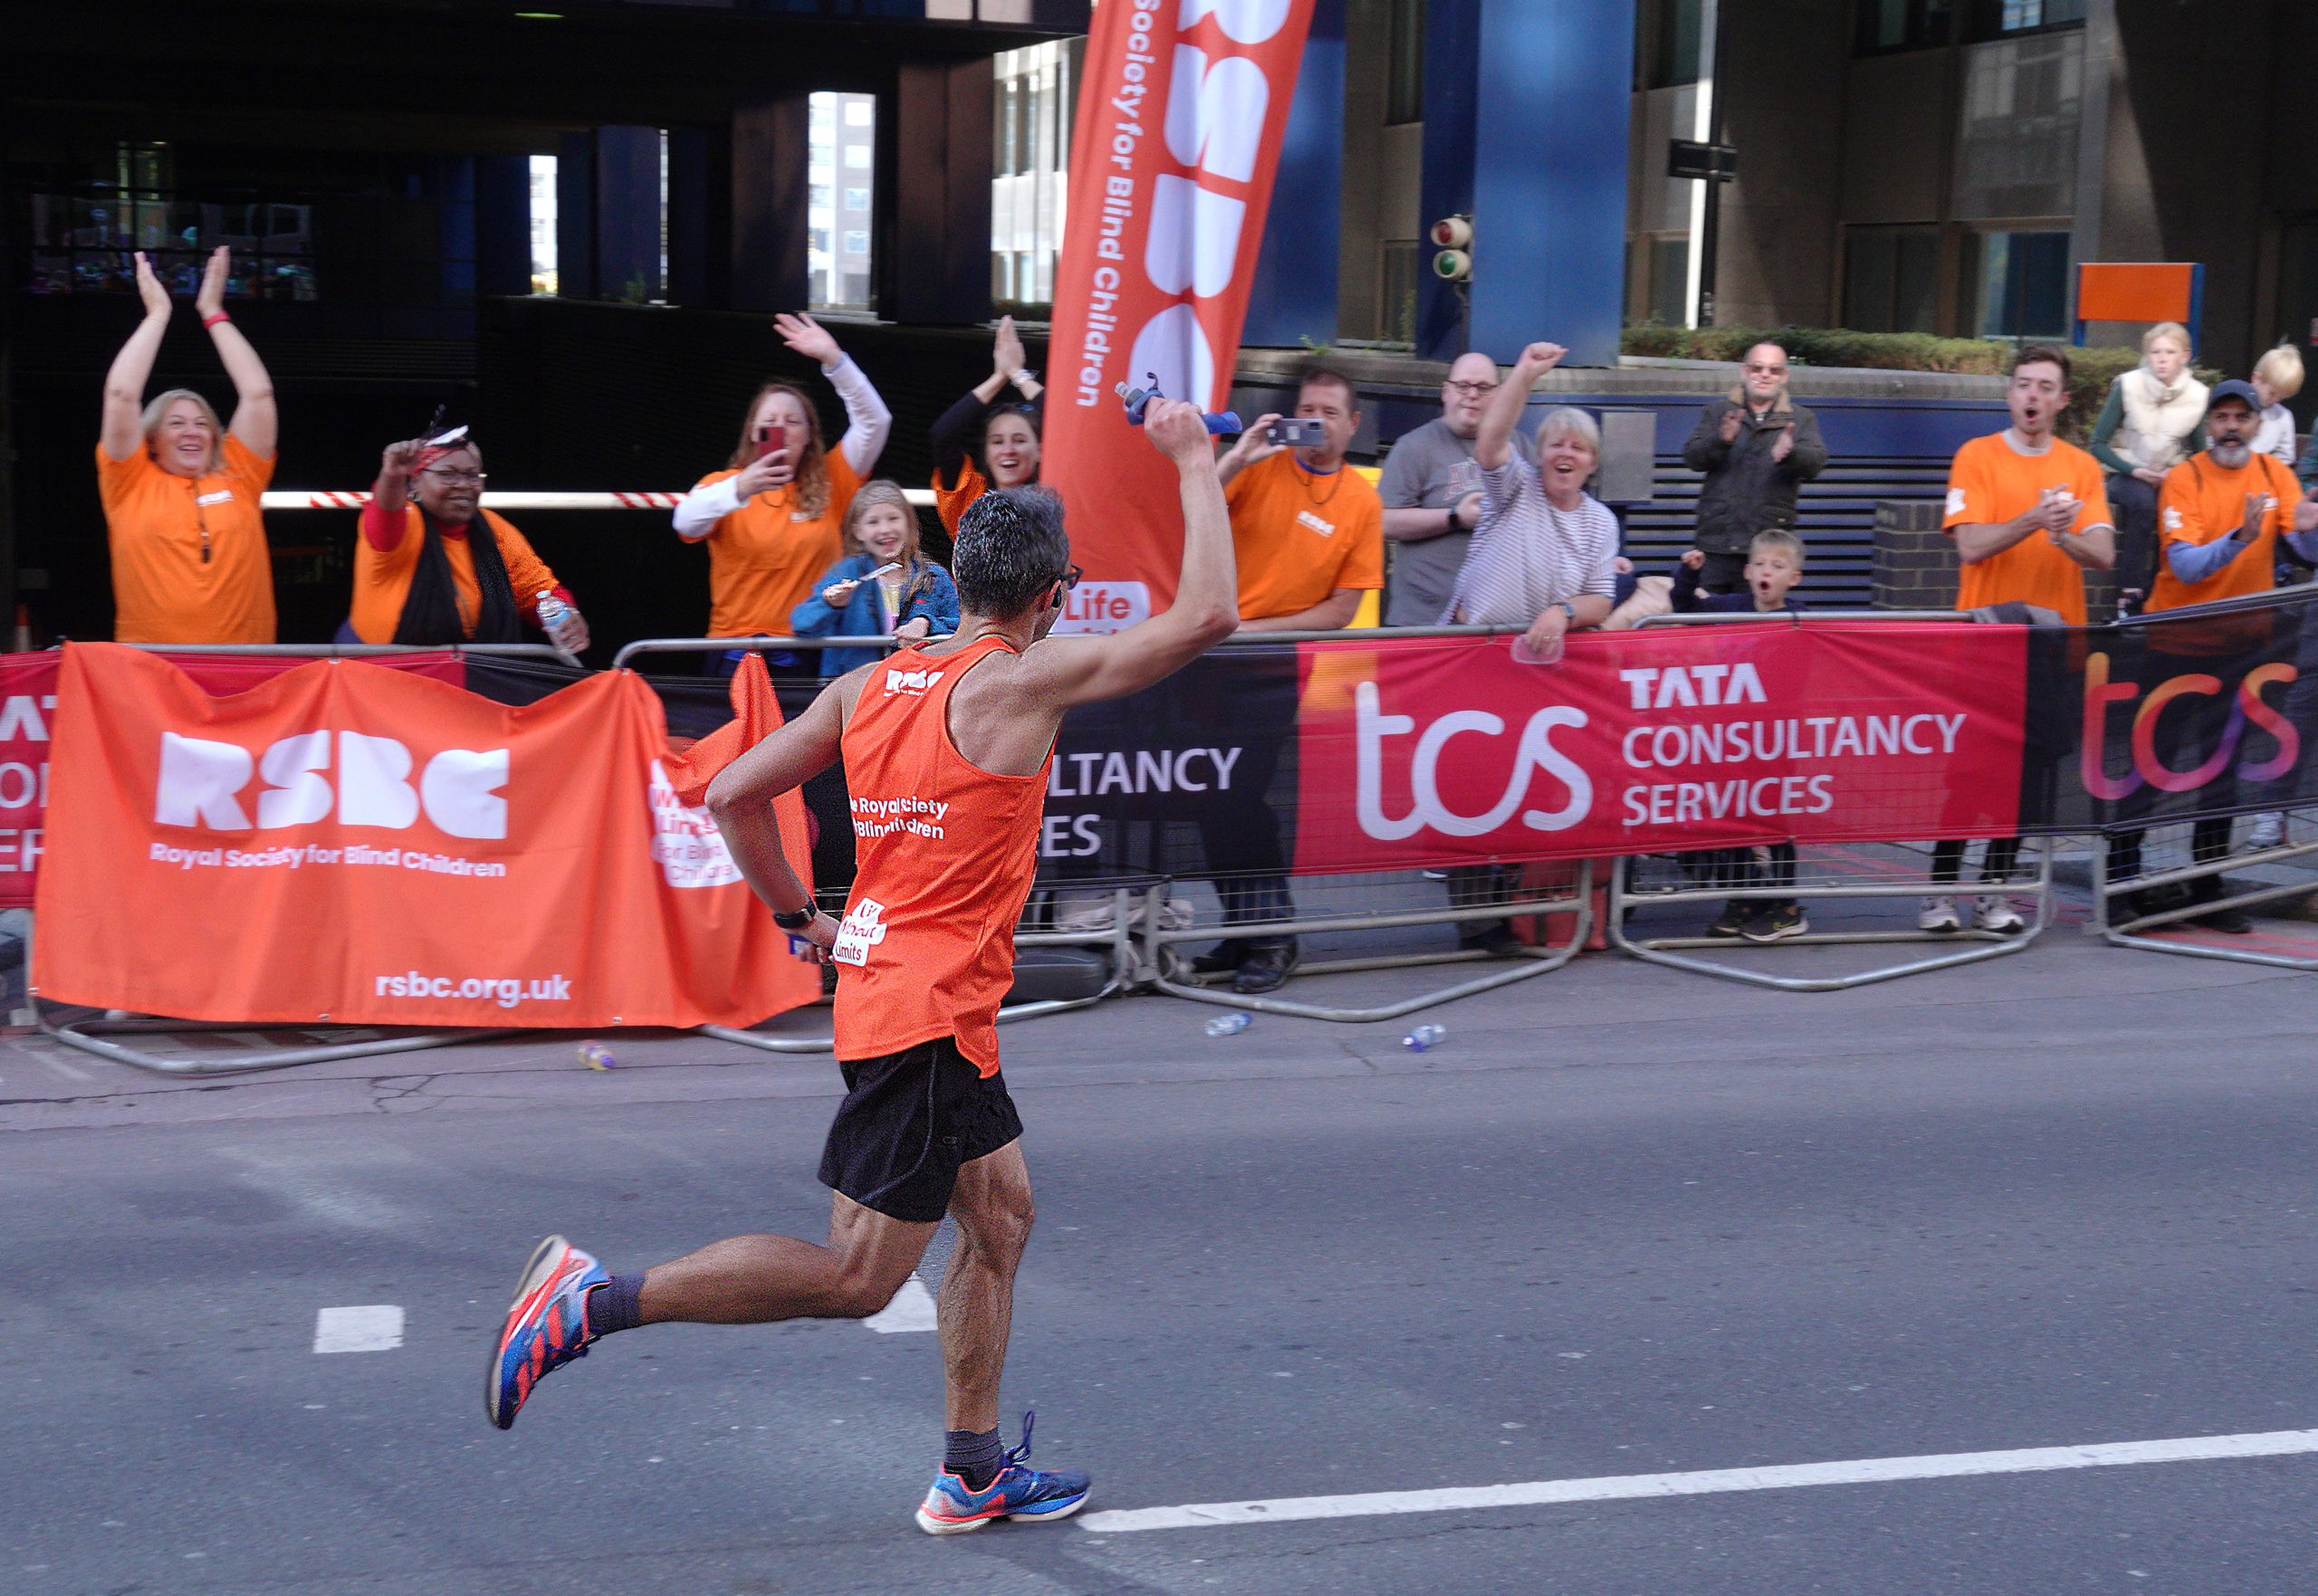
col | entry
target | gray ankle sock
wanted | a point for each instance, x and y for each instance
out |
(975, 1458)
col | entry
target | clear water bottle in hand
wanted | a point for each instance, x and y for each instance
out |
(552, 611)
(1228, 1025)
(1422, 1037)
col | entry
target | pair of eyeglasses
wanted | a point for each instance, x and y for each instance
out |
(473, 479)
(1070, 577)
(1472, 390)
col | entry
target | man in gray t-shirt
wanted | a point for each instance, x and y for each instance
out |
(1431, 491)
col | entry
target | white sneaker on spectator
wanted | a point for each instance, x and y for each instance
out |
(1994, 912)
(1939, 915)
(2269, 832)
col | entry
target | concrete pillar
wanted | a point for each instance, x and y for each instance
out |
(627, 212)
(768, 228)
(1525, 105)
(502, 225)
(1294, 295)
(934, 262)
(700, 217)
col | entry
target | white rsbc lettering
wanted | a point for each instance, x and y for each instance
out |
(200, 781)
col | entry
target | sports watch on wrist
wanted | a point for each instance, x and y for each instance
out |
(796, 919)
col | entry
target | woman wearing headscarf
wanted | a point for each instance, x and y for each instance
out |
(1010, 433)
(772, 516)
(883, 587)
(181, 492)
(432, 567)
(2153, 420)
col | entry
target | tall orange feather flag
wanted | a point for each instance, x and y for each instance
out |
(348, 844)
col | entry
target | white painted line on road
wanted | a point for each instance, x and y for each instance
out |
(377, 1328)
(910, 1310)
(2276, 1443)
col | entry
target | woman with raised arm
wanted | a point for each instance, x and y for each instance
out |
(432, 567)
(1010, 433)
(182, 492)
(773, 518)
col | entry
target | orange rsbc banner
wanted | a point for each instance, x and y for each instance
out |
(2137, 291)
(355, 845)
(1182, 108)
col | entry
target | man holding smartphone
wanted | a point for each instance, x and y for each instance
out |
(1309, 532)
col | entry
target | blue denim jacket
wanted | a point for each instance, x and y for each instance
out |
(866, 615)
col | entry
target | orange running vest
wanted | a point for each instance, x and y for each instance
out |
(945, 851)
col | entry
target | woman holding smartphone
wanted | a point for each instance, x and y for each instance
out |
(771, 517)
(1010, 433)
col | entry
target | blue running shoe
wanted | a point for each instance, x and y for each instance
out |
(547, 1325)
(951, 1509)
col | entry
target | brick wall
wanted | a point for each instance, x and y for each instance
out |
(1915, 561)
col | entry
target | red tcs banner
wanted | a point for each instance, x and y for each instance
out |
(357, 844)
(1179, 122)
(1657, 740)
(28, 714)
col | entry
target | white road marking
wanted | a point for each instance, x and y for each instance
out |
(69, 1072)
(2273, 1443)
(375, 1328)
(911, 1309)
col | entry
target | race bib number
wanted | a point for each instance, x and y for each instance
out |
(862, 928)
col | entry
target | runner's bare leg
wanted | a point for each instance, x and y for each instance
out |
(976, 1309)
(758, 1279)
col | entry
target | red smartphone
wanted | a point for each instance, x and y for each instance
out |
(771, 441)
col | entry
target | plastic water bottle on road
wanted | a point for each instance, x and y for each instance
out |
(1423, 1036)
(595, 1054)
(1228, 1025)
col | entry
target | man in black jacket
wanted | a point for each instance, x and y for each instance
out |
(1757, 447)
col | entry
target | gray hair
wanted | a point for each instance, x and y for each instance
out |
(151, 422)
(1569, 421)
(1010, 548)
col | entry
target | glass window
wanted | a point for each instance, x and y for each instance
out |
(857, 241)
(1994, 19)
(2023, 103)
(1678, 30)
(1892, 279)
(857, 199)
(1404, 62)
(839, 262)
(131, 201)
(816, 195)
(1033, 91)
(2019, 284)
(1903, 24)
(856, 157)
(860, 110)
(1669, 281)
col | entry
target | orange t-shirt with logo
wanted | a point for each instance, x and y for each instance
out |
(382, 577)
(1300, 536)
(157, 525)
(1991, 483)
(945, 853)
(2201, 503)
(953, 502)
(764, 557)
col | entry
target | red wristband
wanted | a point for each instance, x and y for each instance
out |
(214, 318)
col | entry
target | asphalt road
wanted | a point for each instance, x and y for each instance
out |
(1623, 1221)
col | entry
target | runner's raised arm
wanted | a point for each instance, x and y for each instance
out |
(1067, 671)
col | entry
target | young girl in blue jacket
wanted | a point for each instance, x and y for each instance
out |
(914, 601)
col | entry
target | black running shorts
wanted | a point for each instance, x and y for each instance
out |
(909, 1120)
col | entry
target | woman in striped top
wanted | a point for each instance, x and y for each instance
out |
(1544, 556)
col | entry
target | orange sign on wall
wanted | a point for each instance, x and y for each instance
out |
(2139, 290)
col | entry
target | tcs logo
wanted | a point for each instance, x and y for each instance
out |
(2100, 693)
(200, 785)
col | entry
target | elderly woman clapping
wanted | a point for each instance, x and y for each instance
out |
(1544, 554)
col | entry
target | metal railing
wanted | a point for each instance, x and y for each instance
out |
(2107, 890)
(363, 650)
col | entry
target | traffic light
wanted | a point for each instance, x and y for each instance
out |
(1452, 238)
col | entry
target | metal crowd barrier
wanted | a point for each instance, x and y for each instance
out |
(2107, 890)
(89, 1035)
(1987, 944)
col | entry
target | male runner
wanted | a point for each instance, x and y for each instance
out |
(946, 749)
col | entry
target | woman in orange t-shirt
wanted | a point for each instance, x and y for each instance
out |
(182, 493)
(1010, 433)
(433, 567)
(772, 517)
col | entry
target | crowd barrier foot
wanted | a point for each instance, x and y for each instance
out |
(1987, 944)
(1118, 938)
(1527, 964)
(88, 1036)
(2127, 935)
